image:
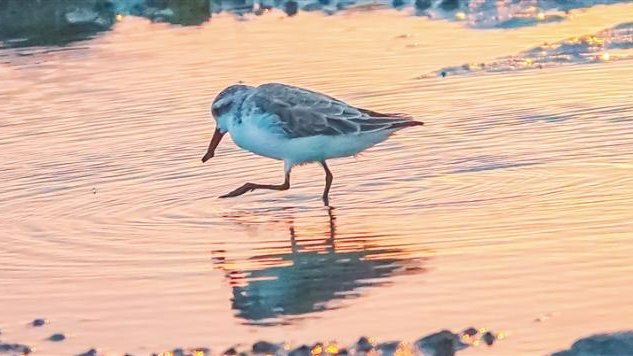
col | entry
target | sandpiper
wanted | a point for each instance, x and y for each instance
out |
(296, 126)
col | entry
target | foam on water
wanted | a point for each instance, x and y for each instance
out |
(507, 14)
(612, 44)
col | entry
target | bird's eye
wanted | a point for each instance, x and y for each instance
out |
(220, 109)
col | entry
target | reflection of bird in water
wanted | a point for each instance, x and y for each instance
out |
(304, 281)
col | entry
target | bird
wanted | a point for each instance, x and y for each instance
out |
(297, 126)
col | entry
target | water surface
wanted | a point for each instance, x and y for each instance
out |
(511, 208)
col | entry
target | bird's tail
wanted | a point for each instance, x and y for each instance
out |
(391, 120)
(408, 121)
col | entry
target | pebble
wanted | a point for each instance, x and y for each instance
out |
(91, 352)
(314, 6)
(397, 3)
(38, 322)
(470, 331)
(488, 338)
(230, 352)
(264, 347)
(291, 7)
(388, 348)
(57, 337)
(422, 5)
(449, 5)
(443, 343)
(363, 345)
(302, 350)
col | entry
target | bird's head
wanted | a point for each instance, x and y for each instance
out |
(224, 108)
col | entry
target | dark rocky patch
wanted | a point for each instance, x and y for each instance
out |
(616, 344)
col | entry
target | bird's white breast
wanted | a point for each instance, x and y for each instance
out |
(259, 141)
(299, 150)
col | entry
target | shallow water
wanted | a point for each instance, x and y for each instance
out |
(511, 208)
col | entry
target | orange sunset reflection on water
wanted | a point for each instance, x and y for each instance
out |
(510, 209)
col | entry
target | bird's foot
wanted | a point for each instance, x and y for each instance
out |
(247, 187)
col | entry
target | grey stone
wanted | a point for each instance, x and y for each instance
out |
(38, 322)
(449, 5)
(422, 5)
(230, 352)
(488, 338)
(388, 348)
(616, 344)
(57, 337)
(363, 345)
(17, 348)
(91, 352)
(265, 347)
(302, 350)
(291, 7)
(443, 343)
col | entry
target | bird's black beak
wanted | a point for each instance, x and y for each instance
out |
(215, 141)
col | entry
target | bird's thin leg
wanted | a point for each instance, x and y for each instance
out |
(332, 239)
(328, 183)
(249, 187)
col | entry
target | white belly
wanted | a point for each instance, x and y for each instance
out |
(259, 141)
(304, 149)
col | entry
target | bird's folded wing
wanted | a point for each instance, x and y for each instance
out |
(299, 112)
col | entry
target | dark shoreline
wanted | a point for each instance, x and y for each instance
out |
(26, 23)
(442, 343)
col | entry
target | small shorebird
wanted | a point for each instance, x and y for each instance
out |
(296, 126)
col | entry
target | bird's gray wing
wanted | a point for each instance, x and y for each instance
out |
(302, 113)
